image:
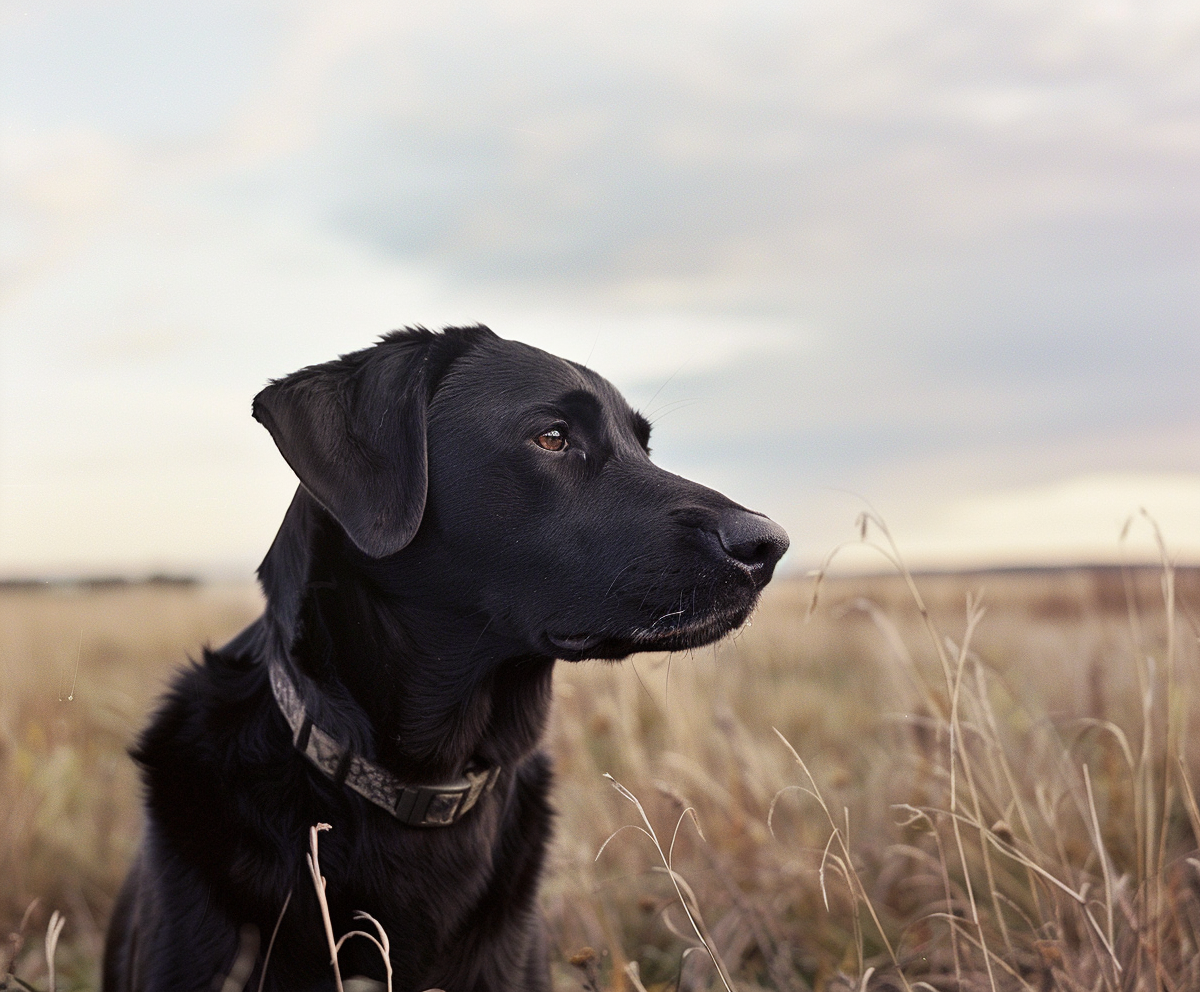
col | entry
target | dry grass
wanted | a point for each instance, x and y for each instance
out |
(69, 806)
(997, 799)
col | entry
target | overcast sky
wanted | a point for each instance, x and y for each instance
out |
(941, 256)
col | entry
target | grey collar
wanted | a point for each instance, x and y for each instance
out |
(414, 805)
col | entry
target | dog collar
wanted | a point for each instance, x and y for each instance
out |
(414, 805)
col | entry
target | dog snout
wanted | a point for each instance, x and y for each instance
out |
(752, 539)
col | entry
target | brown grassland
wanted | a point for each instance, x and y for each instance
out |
(1001, 792)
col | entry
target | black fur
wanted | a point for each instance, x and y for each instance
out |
(433, 563)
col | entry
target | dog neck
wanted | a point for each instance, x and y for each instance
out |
(423, 707)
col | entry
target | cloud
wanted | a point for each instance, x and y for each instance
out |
(744, 154)
(903, 248)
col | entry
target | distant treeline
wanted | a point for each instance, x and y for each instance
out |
(97, 582)
(1106, 574)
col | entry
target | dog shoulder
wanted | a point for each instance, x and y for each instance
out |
(221, 776)
(211, 707)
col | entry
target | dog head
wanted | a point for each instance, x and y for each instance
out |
(515, 486)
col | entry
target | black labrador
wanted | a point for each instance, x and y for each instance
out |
(469, 510)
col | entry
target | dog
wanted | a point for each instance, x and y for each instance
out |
(469, 510)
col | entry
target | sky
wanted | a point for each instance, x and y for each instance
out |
(939, 260)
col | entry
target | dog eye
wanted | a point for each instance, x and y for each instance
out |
(554, 439)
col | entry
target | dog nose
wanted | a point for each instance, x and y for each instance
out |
(752, 539)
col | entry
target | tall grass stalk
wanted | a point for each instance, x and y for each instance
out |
(687, 897)
(379, 938)
(313, 857)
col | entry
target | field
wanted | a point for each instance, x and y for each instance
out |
(1000, 792)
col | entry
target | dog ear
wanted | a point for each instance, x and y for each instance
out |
(354, 430)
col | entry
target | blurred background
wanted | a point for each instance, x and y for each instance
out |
(937, 256)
